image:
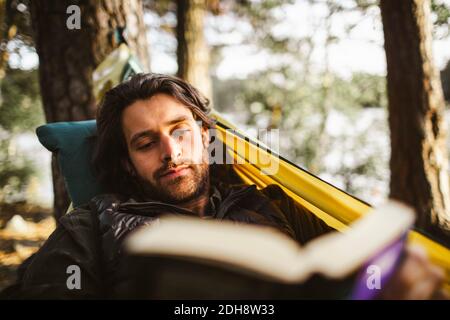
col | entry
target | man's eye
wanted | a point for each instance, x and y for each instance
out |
(146, 146)
(180, 133)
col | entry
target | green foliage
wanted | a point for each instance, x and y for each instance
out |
(307, 95)
(259, 13)
(161, 7)
(16, 31)
(304, 139)
(18, 14)
(363, 90)
(275, 87)
(21, 108)
(15, 171)
(441, 20)
(20, 111)
(20, 103)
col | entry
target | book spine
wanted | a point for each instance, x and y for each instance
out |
(377, 272)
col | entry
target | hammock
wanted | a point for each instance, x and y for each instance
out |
(334, 206)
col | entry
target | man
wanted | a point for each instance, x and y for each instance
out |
(152, 158)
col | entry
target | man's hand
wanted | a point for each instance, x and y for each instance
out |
(416, 279)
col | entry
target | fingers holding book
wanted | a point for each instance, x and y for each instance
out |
(416, 279)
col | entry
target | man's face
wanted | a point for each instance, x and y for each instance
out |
(167, 148)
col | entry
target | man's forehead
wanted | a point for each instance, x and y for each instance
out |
(154, 113)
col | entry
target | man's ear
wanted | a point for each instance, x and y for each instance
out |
(205, 137)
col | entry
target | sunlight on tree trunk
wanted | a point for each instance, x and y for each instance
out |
(419, 161)
(192, 51)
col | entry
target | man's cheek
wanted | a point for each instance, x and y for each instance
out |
(189, 158)
(200, 159)
(203, 157)
(144, 168)
(140, 167)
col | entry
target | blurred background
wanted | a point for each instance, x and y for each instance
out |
(314, 69)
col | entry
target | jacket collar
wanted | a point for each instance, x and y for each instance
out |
(222, 197)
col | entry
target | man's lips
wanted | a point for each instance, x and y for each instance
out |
(174, 172)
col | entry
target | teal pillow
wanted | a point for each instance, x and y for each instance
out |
(73, 142)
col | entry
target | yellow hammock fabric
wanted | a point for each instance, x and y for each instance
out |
(337, 208)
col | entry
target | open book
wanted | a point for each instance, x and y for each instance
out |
(192, 258)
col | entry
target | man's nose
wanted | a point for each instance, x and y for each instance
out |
(171, 148)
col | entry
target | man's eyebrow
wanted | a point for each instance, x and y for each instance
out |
(176, 120)
(152, 133)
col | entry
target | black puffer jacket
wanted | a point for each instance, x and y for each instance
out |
(91, 238)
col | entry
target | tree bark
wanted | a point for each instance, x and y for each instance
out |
(192, 51)
(67, 59)
(419, 161)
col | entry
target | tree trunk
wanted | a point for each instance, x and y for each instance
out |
(192, 51)
(419, 162)
(68, 57)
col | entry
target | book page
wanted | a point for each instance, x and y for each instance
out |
(267, 251)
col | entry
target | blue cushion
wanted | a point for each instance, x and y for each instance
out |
(73, 142)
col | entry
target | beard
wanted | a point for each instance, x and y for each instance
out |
(179, 189)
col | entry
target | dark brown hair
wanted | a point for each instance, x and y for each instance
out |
(111, 153)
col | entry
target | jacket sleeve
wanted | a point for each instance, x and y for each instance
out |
(305, 225)
(65, 267)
